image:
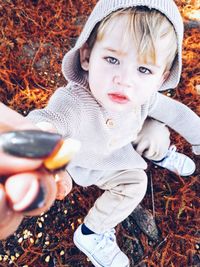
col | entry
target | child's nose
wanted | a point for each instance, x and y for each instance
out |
(124, 78)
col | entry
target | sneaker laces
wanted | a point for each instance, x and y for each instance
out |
(104, 239)
(171, 155)
(173, 158)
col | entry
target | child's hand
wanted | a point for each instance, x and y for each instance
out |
(196, 150)
(63, 183)
(151, 142)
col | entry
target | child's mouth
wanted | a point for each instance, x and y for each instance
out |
(118, 98)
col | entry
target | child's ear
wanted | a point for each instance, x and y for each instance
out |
(85, 56)
(163, 78)
(165, 75)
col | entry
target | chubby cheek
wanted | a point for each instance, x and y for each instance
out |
(146, 96)
(98, 84)
(97, 74)
(142, 96)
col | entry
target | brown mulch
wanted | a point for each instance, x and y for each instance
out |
(34, 36)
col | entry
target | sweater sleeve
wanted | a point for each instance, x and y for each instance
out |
(178, 117)
(62, 111)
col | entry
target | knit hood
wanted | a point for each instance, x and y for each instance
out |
(71, 67)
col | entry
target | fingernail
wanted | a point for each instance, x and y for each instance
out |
(38, 202)
(29, 143)
(22, 189)
(2, 194)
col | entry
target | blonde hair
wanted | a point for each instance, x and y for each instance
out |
(146, 27)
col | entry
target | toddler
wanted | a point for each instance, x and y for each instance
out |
(128, 51)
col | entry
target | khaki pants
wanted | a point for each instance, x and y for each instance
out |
(124, 190)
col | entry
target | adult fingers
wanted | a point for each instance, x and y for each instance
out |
(31, 193)
(46, 195)
(22, 189)
(9, 220)
(10, 164)
(13, 120)
(18, 148)
(27, 194)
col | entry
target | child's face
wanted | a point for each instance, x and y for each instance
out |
(117, 79)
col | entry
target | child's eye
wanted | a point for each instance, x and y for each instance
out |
(144, 70)
(112, 60)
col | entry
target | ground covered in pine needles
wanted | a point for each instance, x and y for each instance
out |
(34, 36)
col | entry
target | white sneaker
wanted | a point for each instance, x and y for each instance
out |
(101, 249)
(177, 162)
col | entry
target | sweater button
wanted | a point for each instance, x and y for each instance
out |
(110, 123)
(112, 143)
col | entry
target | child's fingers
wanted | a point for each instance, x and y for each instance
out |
(142, 147)
(152, 152)
(63, 183)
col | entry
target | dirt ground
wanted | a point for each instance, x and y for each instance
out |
(164, 230)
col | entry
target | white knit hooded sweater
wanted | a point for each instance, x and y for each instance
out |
(107, 137)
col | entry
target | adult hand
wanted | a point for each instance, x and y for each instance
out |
(26, 187)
